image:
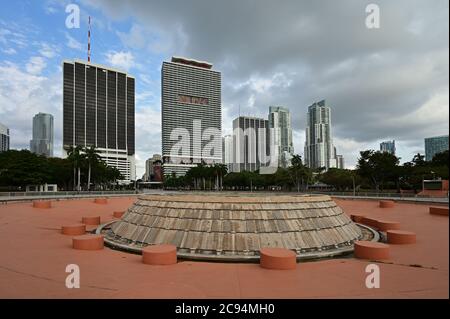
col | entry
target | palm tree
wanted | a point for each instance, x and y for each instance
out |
(220, 170)
(75, 157)
(92, 157)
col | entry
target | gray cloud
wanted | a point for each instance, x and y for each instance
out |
(386, 83)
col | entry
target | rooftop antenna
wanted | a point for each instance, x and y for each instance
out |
(89, 41)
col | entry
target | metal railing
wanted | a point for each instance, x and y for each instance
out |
(374, 194)
(68, 193)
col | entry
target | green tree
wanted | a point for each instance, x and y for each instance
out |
(340, 179)
(440, 159)
(92, 158)
(378, 167)
(75, 156)
(22, 168)
(300, 174)
(419, 160)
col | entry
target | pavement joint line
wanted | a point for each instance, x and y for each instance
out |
(405, 265)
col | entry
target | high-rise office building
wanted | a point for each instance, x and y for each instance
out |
(340, 162)
(280, 121)
(435, 145)
(319, 149)
(4, 138)
(388, 146)
(227, 151)
(42, 142)
(191, 115)
(251, 143)
(98, 110)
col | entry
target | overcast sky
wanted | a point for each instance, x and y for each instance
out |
(386, 83)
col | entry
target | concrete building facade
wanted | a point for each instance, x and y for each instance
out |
(280, 121)
(227, 152)
(4, 138)
(319, 149)
(191, 115)
(251, 143)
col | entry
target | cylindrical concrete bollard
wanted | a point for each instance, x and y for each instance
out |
(91, 220)
(277, 258)
(357, 218)
(400, 237)
(88, 242)
(443, 211)
(73, 230)
(42, 204)
(118, 214)
(372, 222)
(101, 201)
(159, 255)
(386, 204)
(371, 250)
(384, 225)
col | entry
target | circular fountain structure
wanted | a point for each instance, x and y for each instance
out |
(236, 227)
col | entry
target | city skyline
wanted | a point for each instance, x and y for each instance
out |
(368, 106)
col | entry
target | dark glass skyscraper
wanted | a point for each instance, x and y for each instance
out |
(388, 146)
(98, 110)
(435, 145)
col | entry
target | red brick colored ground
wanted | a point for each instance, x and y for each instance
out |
(34, 256)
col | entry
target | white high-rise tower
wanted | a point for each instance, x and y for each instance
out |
(319, 149)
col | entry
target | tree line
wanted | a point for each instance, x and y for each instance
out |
(375, 170)
(217, 177)
(83, 169)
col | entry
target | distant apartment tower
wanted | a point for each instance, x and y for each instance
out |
(98, 110)
(435, 145)
(4, 138)
(280, 121)
(153, 169)
(42, 141)
(227, 152)
(340, 162)
(251, 143)
(388, 146)
(319, 149)
(191, 115)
